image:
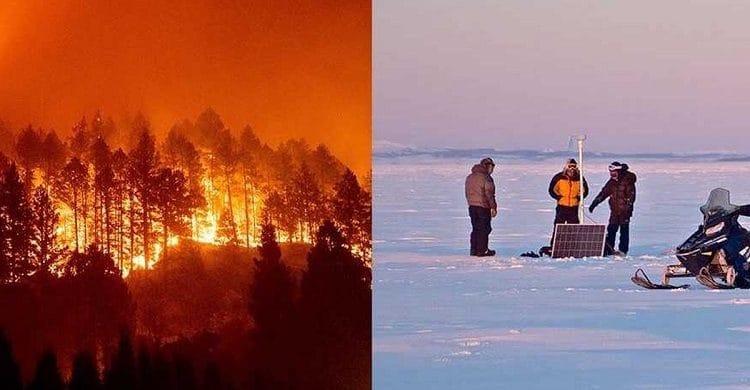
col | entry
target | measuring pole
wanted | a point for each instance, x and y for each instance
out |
(580, 139)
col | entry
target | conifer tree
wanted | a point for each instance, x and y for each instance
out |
(46, 251)
(144, 161)
(15, 226)
(121, 374)
(85, 374)
(10, 375)
(47, 375)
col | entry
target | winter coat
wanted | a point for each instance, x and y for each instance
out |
(621, 194)
(567, 190)
(480, 188)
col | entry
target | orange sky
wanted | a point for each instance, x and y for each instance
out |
(302, 68)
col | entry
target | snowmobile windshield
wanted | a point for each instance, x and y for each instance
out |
(717, 206)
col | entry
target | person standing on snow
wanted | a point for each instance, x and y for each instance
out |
(620, 189)
(565, 188)
(480, 195)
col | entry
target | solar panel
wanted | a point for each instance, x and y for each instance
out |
(573, 240)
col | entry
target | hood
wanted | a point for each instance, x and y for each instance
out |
(479, 168)
(628, 176)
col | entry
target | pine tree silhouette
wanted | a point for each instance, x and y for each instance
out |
(184, 373)
(47, 374)
(122, 372)
(335, 307)
(85, 374)
(145, 369)
(10, 376)
(15, 226)
(271, 305)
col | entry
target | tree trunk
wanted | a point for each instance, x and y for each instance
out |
(146, 234)
(166, 239)
(132, 228)
(75, 216)
(247, 217)
(85, 217)
(255, 222)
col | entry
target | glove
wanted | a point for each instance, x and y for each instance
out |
(493, 213)
(591, 208)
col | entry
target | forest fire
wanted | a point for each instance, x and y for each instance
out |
(146, 241)
(133, 205)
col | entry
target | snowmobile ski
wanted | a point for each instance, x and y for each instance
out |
(705, 278)
(642, 280)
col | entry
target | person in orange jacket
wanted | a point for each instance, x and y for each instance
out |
(565, 189)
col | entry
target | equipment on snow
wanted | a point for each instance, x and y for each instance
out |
(703, 254)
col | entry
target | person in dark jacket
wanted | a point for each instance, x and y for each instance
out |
(620, 189)
(480, 195)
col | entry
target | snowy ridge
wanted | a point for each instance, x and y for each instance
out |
(386, 149)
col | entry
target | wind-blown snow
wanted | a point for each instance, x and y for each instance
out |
(445, 320)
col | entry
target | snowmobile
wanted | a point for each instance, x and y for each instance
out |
(703, 255)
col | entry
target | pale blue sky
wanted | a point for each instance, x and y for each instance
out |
(637, 75)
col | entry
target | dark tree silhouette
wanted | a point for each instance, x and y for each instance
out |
(29, 151)
(227, 156)
(208, 125)
(103, 127)
(274, 208)
(180, 153)
(121, 192)
(10, 375)
(52, 159)
(162, 372)
(351, 210)
(271, 305)
(47, 374)
(227, 232)
(85, 374)
(102, 302)
(250, 155)
(122, 373)
(46, 250)
(174, 203)
(184, 373)
(144, 161)
(71, 187)
(326, 167)
(305, 200)
(335, 306)
(101, 158)
(93, 262)
(146, 379)
(15, 227)
(80, 140)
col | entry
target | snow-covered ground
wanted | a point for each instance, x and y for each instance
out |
(444, 320)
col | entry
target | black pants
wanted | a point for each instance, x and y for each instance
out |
(480, 229)
(732, 248)
(564, 214)
(612, 228)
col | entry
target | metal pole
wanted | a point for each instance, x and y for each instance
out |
(580, 139)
